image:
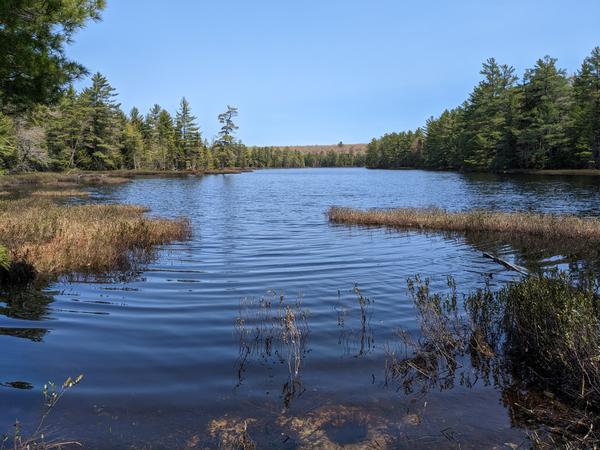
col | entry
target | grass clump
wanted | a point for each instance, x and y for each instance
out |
(57, 239)
(548, 226)
(540, 336)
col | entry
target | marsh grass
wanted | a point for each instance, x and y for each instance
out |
(354, 321)
(540, 335)
(57, 179)
(61, 193)
(546, 226)
(273, 329)
(54, 239)
(77, 178)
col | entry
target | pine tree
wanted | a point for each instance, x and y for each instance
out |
(33, 66)
(169, 153)
(486, 116)
(543, 117)
(585, 133)
(225, 143)
(189, 139)
(102, 142)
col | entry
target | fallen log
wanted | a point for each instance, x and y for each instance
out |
(507, 264)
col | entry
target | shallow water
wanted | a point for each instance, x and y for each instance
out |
(160, 352)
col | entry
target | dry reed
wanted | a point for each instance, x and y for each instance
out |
(60, 179)
(546, 226)
(61, 193)
(56, 239)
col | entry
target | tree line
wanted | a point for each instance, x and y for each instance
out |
(546, 120)
(46, 125)
(88, 130)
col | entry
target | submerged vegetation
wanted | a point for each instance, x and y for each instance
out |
(539, 336)
(48, 239)
(545, 226)
(273, 329)
(39, 439)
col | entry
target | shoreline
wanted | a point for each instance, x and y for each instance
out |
(541, 172)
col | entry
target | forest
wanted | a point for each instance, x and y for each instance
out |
(546, 120)
(87, 130)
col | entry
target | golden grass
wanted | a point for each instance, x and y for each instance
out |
(59, 179)
(546, 226)
(57, 239)
(77, 178)
(61, 193)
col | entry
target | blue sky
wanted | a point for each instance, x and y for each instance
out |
(323, 71)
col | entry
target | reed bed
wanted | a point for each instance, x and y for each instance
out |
(59, 179)
(76, 178)
(57, 239)
(546, 226)
(61, 193)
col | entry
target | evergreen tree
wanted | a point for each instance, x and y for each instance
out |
(102, 141)
(487, 116)
(170, 155)
(585, 133)
(543, 117)
(225, 143)
(189, 140)
(33, 66)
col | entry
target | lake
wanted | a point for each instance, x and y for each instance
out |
(166, 365)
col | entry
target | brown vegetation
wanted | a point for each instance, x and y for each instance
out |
(61, 193)
(36, 179)
(537, 339)
(55, 239)
(546, 226)
(315, 149)
(68, 179)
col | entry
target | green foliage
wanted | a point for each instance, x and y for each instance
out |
(8, 143)
(226, 147)
(585, 131)
(547, 122)
(188, 139)
(4, 258)
(33, 66)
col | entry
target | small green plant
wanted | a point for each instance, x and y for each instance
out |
(38, 440)
(4, 258)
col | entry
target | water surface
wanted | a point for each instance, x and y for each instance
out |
(160, 352)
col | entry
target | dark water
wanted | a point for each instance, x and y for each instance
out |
(160, 352)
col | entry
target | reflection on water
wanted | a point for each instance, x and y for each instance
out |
(22, 309)
(165, 365)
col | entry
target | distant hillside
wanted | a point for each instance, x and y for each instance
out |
(312, 149)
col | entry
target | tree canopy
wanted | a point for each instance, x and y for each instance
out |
(547, 121)
(33, 33)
